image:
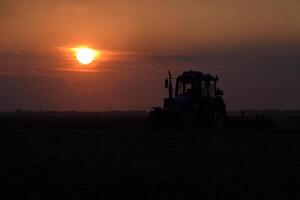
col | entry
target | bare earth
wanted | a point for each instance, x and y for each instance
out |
(122, 162)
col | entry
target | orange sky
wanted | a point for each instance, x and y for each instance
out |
(241, 41)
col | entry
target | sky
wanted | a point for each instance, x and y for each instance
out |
(252, 45)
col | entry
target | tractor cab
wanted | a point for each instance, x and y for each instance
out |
(194, 84)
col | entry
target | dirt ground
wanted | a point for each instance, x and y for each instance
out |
(123, 162)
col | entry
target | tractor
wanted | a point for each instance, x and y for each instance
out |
(195, 103)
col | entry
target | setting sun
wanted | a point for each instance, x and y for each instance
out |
(86, 55)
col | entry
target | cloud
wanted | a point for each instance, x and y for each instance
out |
(29, 74)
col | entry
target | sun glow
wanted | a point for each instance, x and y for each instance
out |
(85, 55)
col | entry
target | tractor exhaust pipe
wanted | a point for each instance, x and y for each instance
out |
(170, 85)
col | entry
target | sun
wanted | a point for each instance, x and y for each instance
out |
(86, 55)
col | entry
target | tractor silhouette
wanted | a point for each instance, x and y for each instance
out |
(195, 103)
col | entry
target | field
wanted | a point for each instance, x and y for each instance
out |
(119, 158)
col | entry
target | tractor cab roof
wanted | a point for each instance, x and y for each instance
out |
(194, 75)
